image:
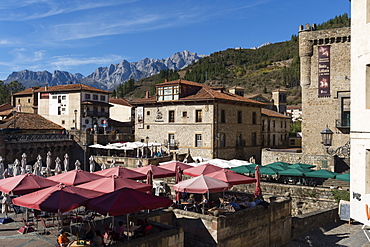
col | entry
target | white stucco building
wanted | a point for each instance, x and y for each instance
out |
(360, 107)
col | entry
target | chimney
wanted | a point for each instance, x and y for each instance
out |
(46, 87)
(147, 94)
(166, 80)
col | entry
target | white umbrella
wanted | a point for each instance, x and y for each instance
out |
(5, 209)
(113, 163)
(66, 162)
(92, 164)
(37, 168)
(24, 161)
(17, 168)
(1, 167)
(77, 165)
(58, 166)
(48, 160)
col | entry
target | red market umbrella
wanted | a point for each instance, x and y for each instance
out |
(59, 198)
(113, 183)
(157, 171)
(174, 164)
(257, 176)
(230, 177)
(75, 177)
(125, 201)
(202, 169)
(201, 184)
(24, 184)
(121, 172)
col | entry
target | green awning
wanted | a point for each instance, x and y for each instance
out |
(280, 163)
(292, 172)
(300, 165)
(321, 174)
(343, 177)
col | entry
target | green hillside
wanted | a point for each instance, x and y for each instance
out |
(257, 70)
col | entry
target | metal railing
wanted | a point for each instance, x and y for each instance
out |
(35, 137)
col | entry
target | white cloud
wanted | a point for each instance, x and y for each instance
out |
(62, 62)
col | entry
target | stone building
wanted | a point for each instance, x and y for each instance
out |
(274, 129)
(208, 122)
(360, 128)
(72, 106)
(325, 81)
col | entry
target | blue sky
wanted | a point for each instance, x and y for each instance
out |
(79, 36)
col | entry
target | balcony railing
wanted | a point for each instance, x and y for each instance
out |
(96, 114)
(342, 123)
(35, 137)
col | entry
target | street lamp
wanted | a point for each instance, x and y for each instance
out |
(147, 147)
(85, 152)
(75, 111)
(327, 138)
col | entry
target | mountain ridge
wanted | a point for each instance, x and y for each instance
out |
(107, 77)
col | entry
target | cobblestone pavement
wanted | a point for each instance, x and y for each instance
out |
(335, 234)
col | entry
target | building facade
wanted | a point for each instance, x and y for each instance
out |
(274, 129)
(325, 81)
(360, 107)
(188, 116)
(72, 106)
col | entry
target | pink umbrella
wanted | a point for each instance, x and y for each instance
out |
(202, 169)
(75, 177)
(231, 177)
(257, 176)
(113, 183)
(121, 172)
(125, 201)
(59, 198)
(201, 184)
(157, 171)
(25, 183)
(174, 164)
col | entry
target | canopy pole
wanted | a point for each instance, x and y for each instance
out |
(128, 227)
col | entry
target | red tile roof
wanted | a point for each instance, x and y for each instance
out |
(271, 113)
(119, 102)
(205, 93)
(29, 121)
(62, 88)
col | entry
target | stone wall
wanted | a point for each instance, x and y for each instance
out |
(309, 222)
(320, 161)
(248, 227)
(305, 199)
(321, 112)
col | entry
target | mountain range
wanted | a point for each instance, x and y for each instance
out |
(107, 78)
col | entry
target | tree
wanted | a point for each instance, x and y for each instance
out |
(6, 90)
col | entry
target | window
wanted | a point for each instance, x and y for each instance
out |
(87, 96)
(95, 109)
(254, 118)
(254, 139)
(64, 97)
(54, 97)
(273, 140)
(171, 139)
(19, 101)
(281, 124)
(148, 127)
(95, 97)
(222, 140)
(59, 110)
(346, 112)
(263, 125)
(102, 97)
(198, 116)
(268, 125)
(171, 116)
(168, 93)
(184, 114)
(87, 121)
(102, 109)
(148, 113)
(239, 141)
(198, 140)
(239, 117)
(63, 122)
(223, 116)
(263, 140)
(29, 100)
(273, 123)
